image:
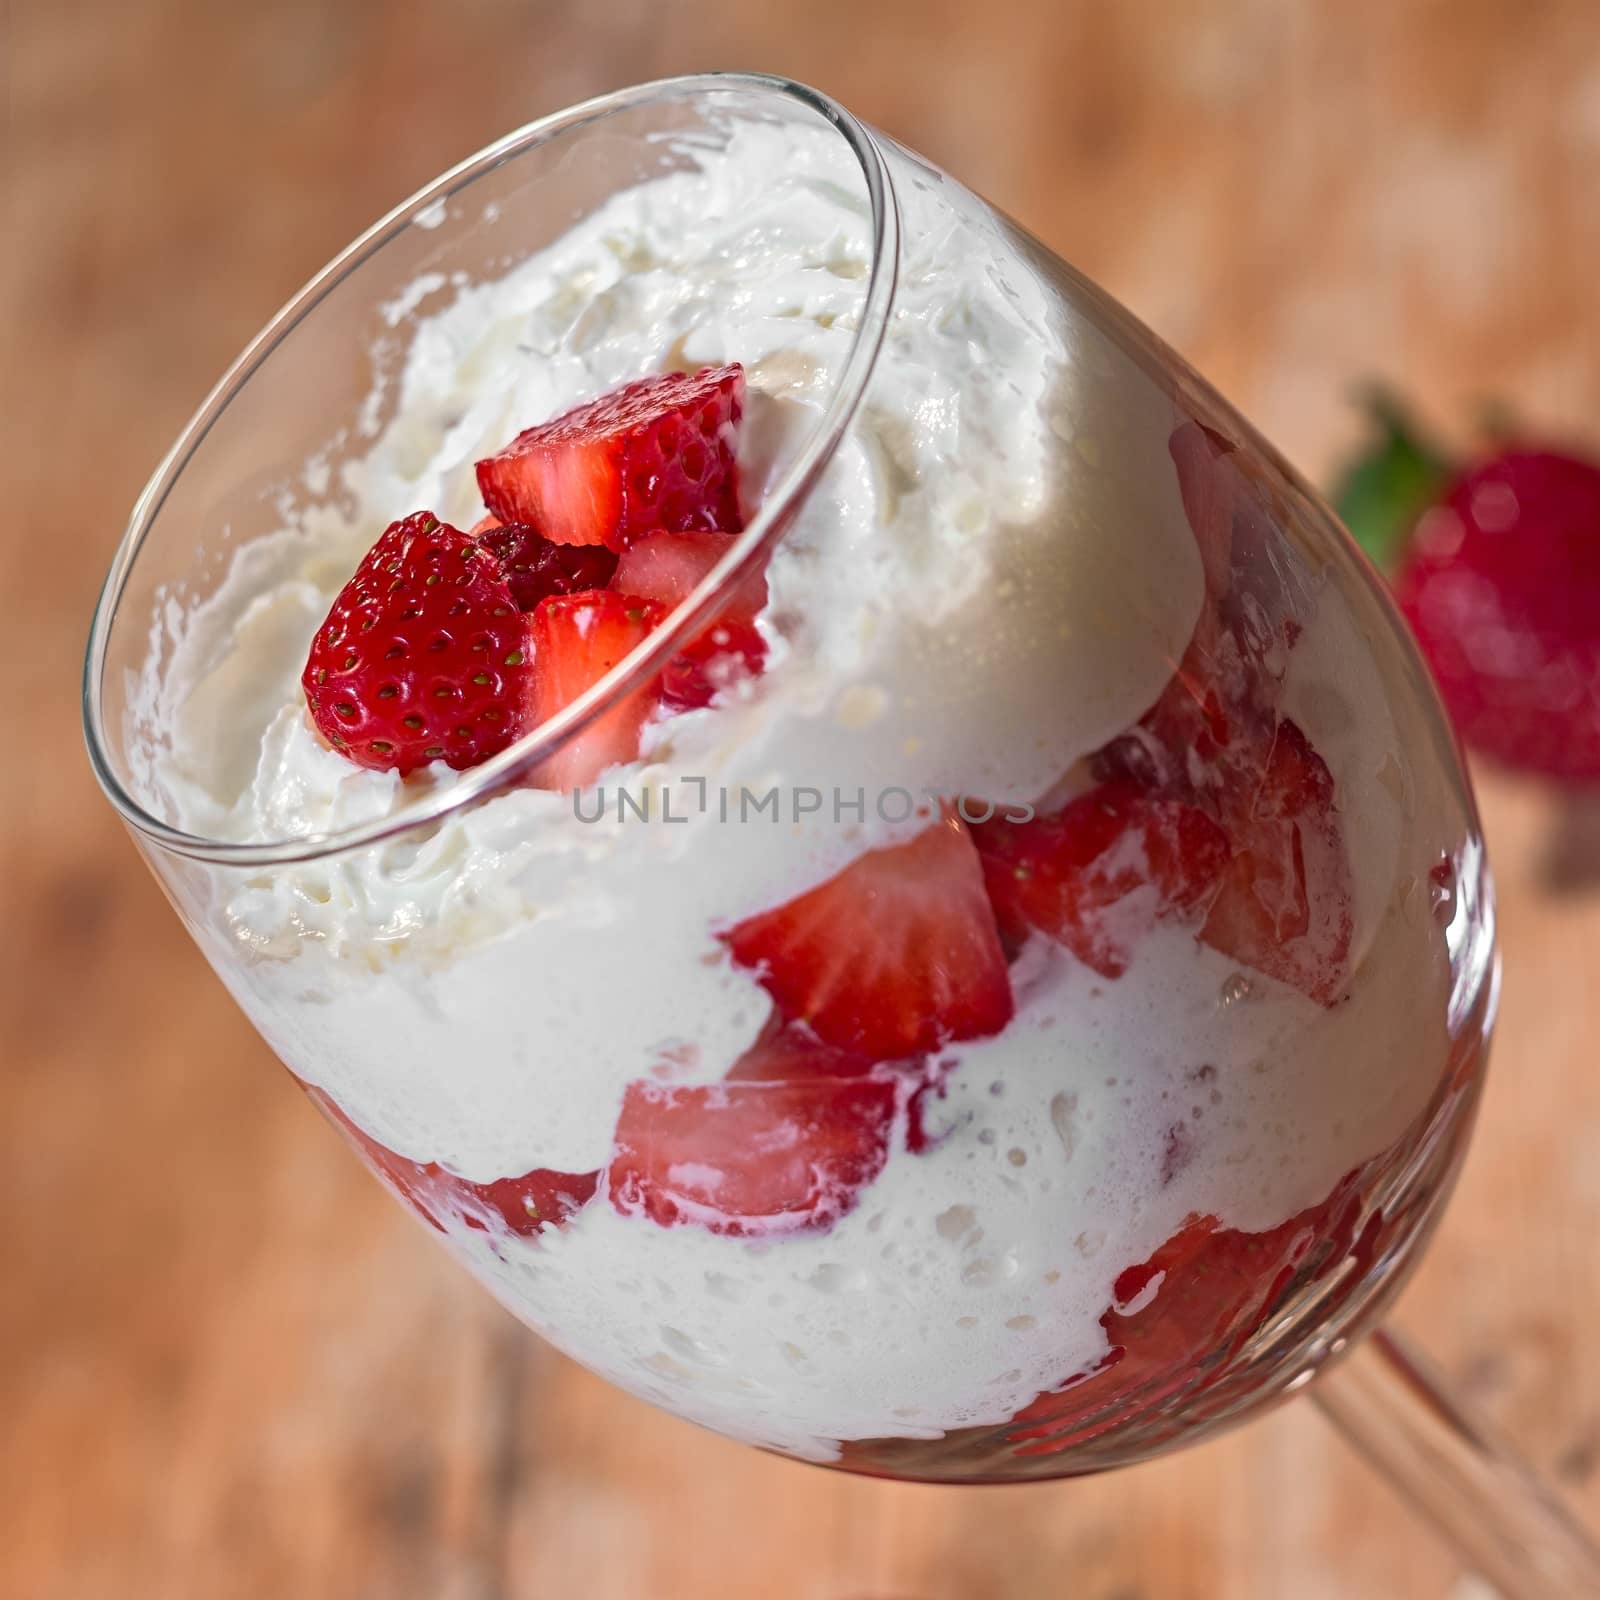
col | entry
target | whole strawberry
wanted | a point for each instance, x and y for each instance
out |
(422, 657)
(1497, 569)
(1501, 585)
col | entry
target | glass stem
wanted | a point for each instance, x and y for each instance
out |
(1508, 1525)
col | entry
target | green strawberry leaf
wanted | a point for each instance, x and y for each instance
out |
(1380, 493)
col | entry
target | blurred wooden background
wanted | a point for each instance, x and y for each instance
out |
(230, 1367)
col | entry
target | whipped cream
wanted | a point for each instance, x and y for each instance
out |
(991, 581)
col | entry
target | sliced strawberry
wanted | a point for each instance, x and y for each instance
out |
(1214, 738)
(894, 956)
(667, 567)
(421, 656)
(1255, 602)
(484, 525)
(577, 639)
(722, 657)
(789, 1052)
(1179, 1316)
(1209, 488)
(536, 568)
(538, 1199)
(751, 1158)
(1284, 901)
(1285, 905)
(1102, 871)
(658, 453)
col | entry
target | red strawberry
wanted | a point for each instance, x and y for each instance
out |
(894, 956)
(1213, 739)
(1103, 870)
(1284, 901)
(658, 453)
(538, 1199)
(750, 1158)
(1223, 691)
(1285, 904)
(421, 658)
(724, 655)
(1502, 589)
(1256, 592)
(1209, 487)
(667, 567)
(536, 569)
(790, 1053)
(1180, 1315)
(576, 640)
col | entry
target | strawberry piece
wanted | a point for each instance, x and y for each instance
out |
(1213, 739)
(894, 956)
(723, 656)
(421, 656)
(576, 640)
(1209, 488)
(658, 453)
(1181, 1315)
(1285, 902)
(667, 567)
(789, 1052)
(1256, 593)
(484, 525)
(535, 568)
(1222, 692)
(523, 1206)
(1502, 589)
(1103, 870)
(751, 1158)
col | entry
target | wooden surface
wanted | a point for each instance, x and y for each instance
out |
(228, 1365)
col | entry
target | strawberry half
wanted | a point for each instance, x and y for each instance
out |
(658, 453)
(1286, 897)
(421, 656)
(751, 1158)
(894, 956)
(576, 640)
(535, 568)
(538, 1199)
(667, 567)
(1103, 870)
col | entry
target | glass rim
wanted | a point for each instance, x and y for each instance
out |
(744, 553)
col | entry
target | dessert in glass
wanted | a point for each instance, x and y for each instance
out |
(832, 821)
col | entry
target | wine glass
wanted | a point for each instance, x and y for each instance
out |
(1048, 1026)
